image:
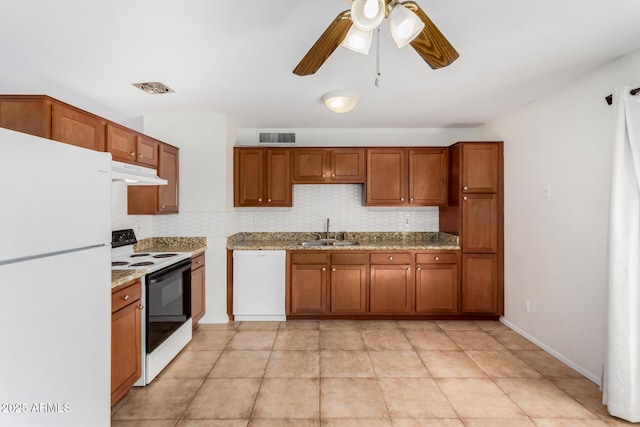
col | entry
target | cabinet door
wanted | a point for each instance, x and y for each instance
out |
(347, 165)
(480, 223)
(197, 293)
(27, 114)
(386, 177)
(428, 176)
(480, 283)
(279, 178)
(249, 177)
(391, 289)
(168, 169)
(480, 168)
(437, 288)
(126, 355)
(148, 153)
(310, 165)
(349, 289)
(76, 127)
(121, 143)
(309, 290)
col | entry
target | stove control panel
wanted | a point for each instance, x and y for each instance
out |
(123, 238)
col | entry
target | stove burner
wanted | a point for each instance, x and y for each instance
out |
(142, 264)
(164, 255)
(138, 255)
(117, 263)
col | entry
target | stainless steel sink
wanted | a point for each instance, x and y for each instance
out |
(329, 242)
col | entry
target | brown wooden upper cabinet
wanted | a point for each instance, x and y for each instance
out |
(406, 177)
(262, 177)
(126, 145)
(158, 199)
(328, 165)
(49, 118)
(481, 166)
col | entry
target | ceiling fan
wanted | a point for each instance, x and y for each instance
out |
(354, 30)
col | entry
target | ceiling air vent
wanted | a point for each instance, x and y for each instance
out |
(154, 88)
(276, 138)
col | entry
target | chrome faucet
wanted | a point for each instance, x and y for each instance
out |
(327, 228)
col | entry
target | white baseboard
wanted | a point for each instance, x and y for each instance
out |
(589, 375)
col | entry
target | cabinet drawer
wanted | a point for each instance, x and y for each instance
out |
(125, 296)
(197, 261)
(437, 258)
(391, 258)
(308, 258)
(349, 258)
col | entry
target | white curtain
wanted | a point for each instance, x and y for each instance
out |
(621, 382)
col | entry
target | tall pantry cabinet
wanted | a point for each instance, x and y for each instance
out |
(475, 213)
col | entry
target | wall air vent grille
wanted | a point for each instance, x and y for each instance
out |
(276, 138)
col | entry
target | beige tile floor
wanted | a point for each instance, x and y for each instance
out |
(363, 373)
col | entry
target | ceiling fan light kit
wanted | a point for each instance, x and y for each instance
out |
(409, 25)
(358, 40)
(341, 101)
(405, 25)
(367, 14)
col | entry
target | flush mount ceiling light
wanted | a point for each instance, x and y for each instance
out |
(154, 88)
(353, 29)
(341, 101)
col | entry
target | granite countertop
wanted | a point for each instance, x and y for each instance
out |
(366, 241)
(120, 277)
(195, 245)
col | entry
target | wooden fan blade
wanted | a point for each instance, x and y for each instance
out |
(332, 37)
(430, 44)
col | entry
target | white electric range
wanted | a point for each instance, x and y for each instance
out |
(166, 300)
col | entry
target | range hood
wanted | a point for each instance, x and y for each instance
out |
(135, 175)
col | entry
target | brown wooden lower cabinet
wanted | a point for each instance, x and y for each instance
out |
(198, 294)
(408, 284)
(126, 345)
(480, 283)
(309, 290)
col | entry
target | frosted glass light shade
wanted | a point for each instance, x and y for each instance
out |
(341, 101)
(405, 25)
(367, 14)
(358, 40)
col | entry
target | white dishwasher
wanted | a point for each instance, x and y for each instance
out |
(259, 285)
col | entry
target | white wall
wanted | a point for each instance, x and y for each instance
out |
(202, 139)
(556, 248)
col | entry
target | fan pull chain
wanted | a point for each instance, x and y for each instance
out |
(378, 75)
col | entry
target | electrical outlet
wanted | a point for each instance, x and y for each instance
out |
(406, 221)
(526, 304)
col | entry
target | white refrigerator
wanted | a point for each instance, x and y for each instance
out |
(55, 283)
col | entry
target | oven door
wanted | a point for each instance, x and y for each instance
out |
(168, 302)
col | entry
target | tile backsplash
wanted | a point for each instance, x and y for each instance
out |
(312, 205)
(342, 203)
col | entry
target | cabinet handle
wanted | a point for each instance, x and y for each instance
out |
(390, 258)
(333, 175)
(465, 188)
(466, 198)
(411, 199)
(418, 269)
(132, 153)
(192, 277)
(437, 258)
(408, 268)
(141, 306)
(324, 269)
(259, 200)
(333, 269)
(402, 199)
(126, 297)
(269, 200)
(162, 207)
(140, 155)
(324, 175)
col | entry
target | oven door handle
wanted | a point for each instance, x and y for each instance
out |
(175, 271)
